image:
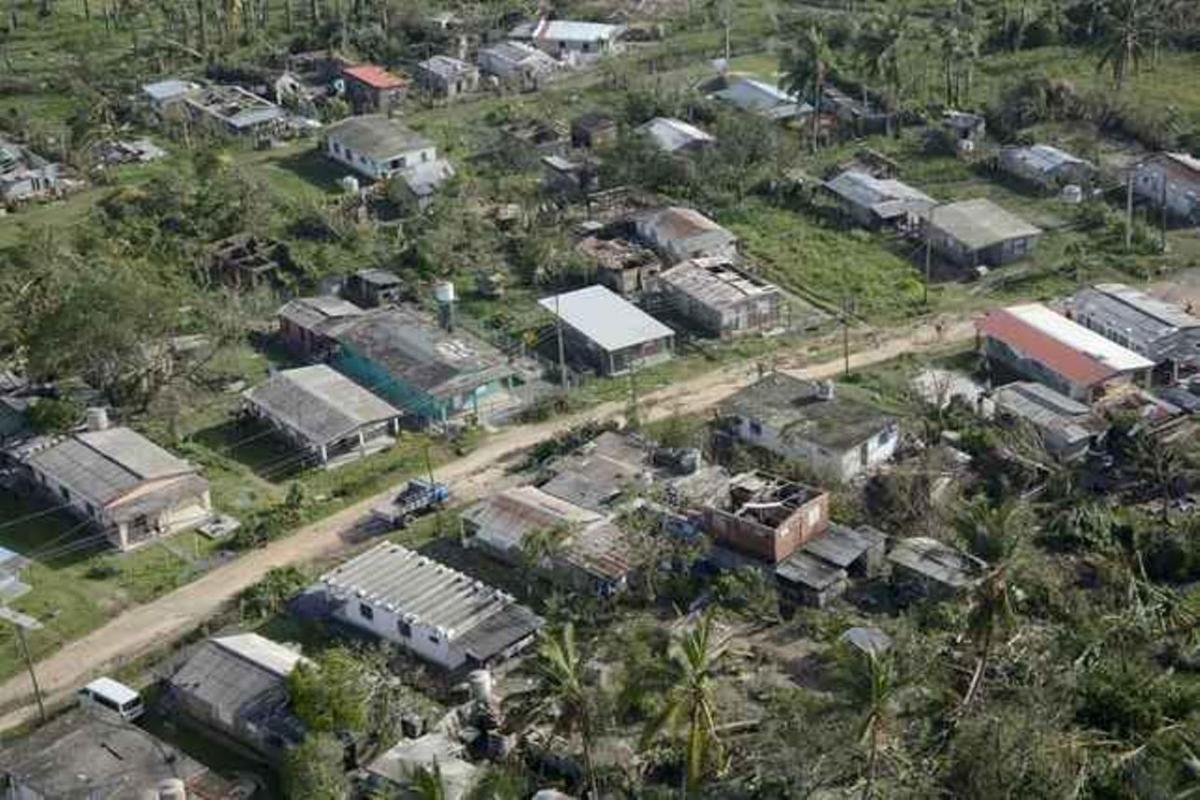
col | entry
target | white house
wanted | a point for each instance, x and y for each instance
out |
(441, 615)
(516, 62)
(570, 41)
(379, 148)
(837, 437)
(1173, 179)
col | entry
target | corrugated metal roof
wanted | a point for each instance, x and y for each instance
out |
(1071, 350)
(841, 545)
(938, 561)
(886, 197)
(716, 283)
(422, 590)
(375, 76)
(605, 318)
(319, 403)
(310, 312)
(519, 53)
(762, 98)
(1040, 158)
(1047, 410)
(272, 656)
(1160, 311)
(672, 135)
(168, 89)
(504, 520)
(377, 136)
(809, 571)
(446, 66)
(980, 223)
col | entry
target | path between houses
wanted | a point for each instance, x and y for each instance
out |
(145, 628)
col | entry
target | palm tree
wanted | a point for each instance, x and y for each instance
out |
(873, 687)
(878, 46)
(1127, 26)
(559, 666)
(1160, 464)
(690, 708)
(806, 67)
(427, 783)
(992, 533)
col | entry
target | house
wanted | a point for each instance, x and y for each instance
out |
(593, 129)
(567, 179)
(130, 488)
(309, 325)
(878, 202)
(1162, 332)
(978, 232)
(380, 148)
(765, 517)
(1040, 344)
(678, 234)
(966, 129)
(433, 374)
(925, 566)
(371, 288)
(447, 618)
(804, 579)
(237, 686)
(446, 76)
(836, 436)
(1171, 180)
(234, 111)
(597, 474)
(395, 771)
(1066, 427)
(517, 63)
(371, 89)
(87, 755)
(763, 99)
(860, 116)
(164, 94)
(622, 266)
(1046, 167)
(570, 41)
(24, 175)
(721, 300)
(674, 136)
(608, 333)
(248, 261)
(323, 413)
(114, 152)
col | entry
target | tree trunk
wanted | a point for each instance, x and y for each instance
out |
(980, 668)
(872, 762)
(818, 82)
(201, 27)
(314, 13)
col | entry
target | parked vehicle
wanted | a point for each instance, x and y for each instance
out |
(113, 696)
(418, 497)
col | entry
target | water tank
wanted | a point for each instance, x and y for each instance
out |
(444, 292)
(1072, 194)
(172, 789)
(349, 184)
(97, 419)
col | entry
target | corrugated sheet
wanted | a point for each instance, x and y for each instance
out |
(671, 135)
(605, 318)
(716, 283)
(980, 223)
(937, 561)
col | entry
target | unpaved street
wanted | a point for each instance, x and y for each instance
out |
(161, 622)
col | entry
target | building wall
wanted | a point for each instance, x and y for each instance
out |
(750, 315)
(578, 52)
(421, 639)
(584, 350)
(837, 465)
(995, 256)
(1182, 196)
(759, 541)
(365, 98)
(438, 84)
(371, 167)
(1044, 374)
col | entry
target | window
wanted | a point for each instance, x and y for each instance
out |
(337, 148)
(365, 611)
(433, 639)
(66, 494)
(404, 628)
(755, 428)
(397, 163)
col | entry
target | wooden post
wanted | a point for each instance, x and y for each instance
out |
(928, 253)
(562, 359)
(1129, 210)
(37, 690)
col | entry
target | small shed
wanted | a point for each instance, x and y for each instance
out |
(1048, 168)
(370, 288)
(859, 551)
(608, 333)
(593, 129)
(806, 580)
(978, 232)
(674, 136)
(878, 202)
(927, 566)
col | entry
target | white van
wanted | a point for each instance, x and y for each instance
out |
(114, 696)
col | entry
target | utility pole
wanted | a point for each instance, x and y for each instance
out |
(928, 252)
(23, 623)
(633, 418)
(1129, 210)
(562, 356)
(845, 333)
(1164, 214)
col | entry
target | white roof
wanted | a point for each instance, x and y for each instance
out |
(271, 656)
(605, 318)
(165, 90)
(116, 691)
(1079, 338)
(672, 134)
(561, 30)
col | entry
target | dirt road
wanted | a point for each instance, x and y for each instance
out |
(161, 622)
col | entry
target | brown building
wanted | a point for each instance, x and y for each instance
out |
(767, 517)
(372, 89)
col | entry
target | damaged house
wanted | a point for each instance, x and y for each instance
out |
(678, 234)
(247, 261)
(722, 301)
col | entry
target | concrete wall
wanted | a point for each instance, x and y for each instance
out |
(371, 167)
(836, 465)
(767, 544)
(426, 642)
(1182, 197)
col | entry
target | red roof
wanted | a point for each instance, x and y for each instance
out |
(1027, 340)
(375, 77)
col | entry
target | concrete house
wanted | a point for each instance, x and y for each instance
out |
(973, 233)
(249, 261)
(84, 755)
(1160, 331)
(166, 93)
(446, 76)
(443, 616)
(371, 288)
(234, 111)
(593, 129)
(607, 333)
(721, 300)
(324, 414)
(966, 129)
(517, 63)
(1046, 167)
(1171, 180)
(237, 686)
(24, 175)
(371, 89)
(678, 234)
(308, 326)
(836, 436)
(762, 99)
(820, 569)
(379, 148)
(765, 517)
(1040, 344)
(1067, 428)
(129, 488)
(433, 374)
(622, 266)
(574, 42)
(674, 136)
(878, 202)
